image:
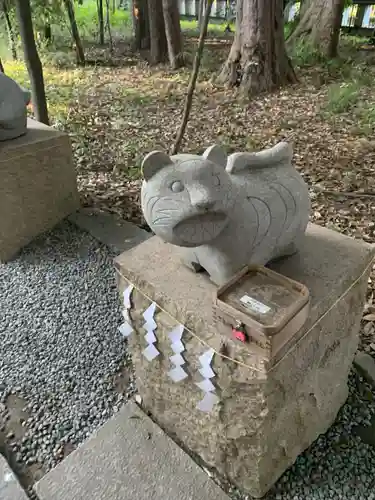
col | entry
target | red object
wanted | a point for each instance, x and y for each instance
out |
(239, 335)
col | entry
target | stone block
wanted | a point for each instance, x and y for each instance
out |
(10, 489)
(38, 186)
(129, 458)
(268, 414)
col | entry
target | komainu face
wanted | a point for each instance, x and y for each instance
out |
(186, 201)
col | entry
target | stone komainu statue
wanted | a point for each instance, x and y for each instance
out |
(228, 212)
(13, 108)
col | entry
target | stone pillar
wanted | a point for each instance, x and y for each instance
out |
(38, 186)
(267, 414)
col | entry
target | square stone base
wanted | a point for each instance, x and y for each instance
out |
(268, 413)
(38, 186)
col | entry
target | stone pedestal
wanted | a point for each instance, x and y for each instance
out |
(38, 186)
(267, 415)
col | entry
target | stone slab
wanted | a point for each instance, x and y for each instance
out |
(119, 235)
(10, 489)
(267, 415)
(129, 458)
(38, 186)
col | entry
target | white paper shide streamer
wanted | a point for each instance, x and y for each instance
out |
(126, 328)
(177, 373)
(210, 398)
(150, 325)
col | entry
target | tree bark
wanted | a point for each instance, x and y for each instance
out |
(141, 25)
(258, 60)
(108, 25)
(99, 5)
(80, 54)
(173, 33)
(193, 79)
(34, 66)
(11, 37)
(319, 25)
(158, 39)
(338, 9)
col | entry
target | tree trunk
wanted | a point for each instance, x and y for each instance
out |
(319, 25)
(141, 25)
(11, 37)
(80, 54)
(48, 33)
(1, 67)
(99, 4)
(258, 60)
(108, 25)
(193, 79)
(158, 40)
(338, 9)
(173, 33)
(34, 66)
(202, 7)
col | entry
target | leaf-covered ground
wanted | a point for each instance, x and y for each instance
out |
(118, 112)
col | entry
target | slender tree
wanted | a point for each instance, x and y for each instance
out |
(80, 54)
(193, 79)
(8, 22)
(1, 67)
(258, 60)
(34, 66)
(100, 9)
(108, 25)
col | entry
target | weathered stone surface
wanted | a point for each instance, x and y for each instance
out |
(366, 366)
(130, 458)
(267, 415)
(249, 208)
(10, 489)
(38, 186)
(13, 111)
(118, 234)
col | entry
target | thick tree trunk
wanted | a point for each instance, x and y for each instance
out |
(319, 25)
(158, 40)
(80, 54)
(34, 66)
(11, 37)
(258, 60)
(100, 9)
(141, 25)
(173, 33)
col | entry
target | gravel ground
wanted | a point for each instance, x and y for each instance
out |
(62, 353)
(60, 346)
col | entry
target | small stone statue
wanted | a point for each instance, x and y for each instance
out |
(13, 108)
(228, 212)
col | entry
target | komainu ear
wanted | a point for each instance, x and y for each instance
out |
(153, 162)
(217, 155)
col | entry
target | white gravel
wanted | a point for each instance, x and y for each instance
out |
(61, 350)
(60, 345)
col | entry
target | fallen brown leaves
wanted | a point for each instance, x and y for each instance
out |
(121, 113)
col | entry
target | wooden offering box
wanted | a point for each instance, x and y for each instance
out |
(261, 308)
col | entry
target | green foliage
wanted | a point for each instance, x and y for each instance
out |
(342, 97)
